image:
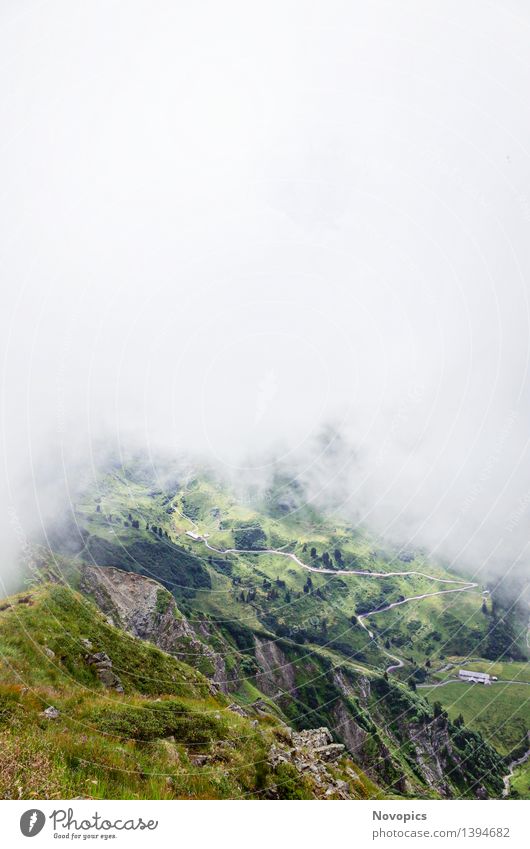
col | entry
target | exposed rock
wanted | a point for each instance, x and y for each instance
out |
(351, 772)
(199, 760)
(109, 679)
(278, 674)
(364, 689)
(349, 731)
(358, 716)
(51, 712)
(147, 610)
(103, 666)
(260, 706)
(100, 660)
(342, 683)
(329, 753)
(312, 738)
(237, 709)
(313, 754)
(361, 690)
(368, 750)
(432, 747)
(49, 653)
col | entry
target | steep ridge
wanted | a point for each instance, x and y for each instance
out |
(391, 732)
(147, 610)
(273, 609)
(67, 732)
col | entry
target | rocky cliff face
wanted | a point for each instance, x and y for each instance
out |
(426, 754)
(304, 764)
(145, 609)
(451, 760)
(277, 676)
(319, 761)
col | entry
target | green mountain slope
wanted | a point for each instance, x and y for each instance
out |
(87, 710)
(297, 616)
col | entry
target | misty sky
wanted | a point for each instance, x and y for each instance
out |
(225, 226)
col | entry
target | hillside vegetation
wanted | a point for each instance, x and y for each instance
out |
(269, 613)
(169, 734)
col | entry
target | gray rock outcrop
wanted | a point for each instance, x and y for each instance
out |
(103, 666)
(144, 608)
(312, 753)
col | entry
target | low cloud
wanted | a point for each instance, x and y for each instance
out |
(228, 231)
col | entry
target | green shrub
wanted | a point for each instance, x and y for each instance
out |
(155, 720)
(163, 599)
(289, 784)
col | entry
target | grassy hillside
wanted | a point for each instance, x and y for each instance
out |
(504, 671)
(167, 735)
(272, 586)
(521, 781)
(501, 712)
(131, 522)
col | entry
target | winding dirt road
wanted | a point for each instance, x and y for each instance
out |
(463, 586)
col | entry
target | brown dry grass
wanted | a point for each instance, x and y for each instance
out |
(27, 771)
